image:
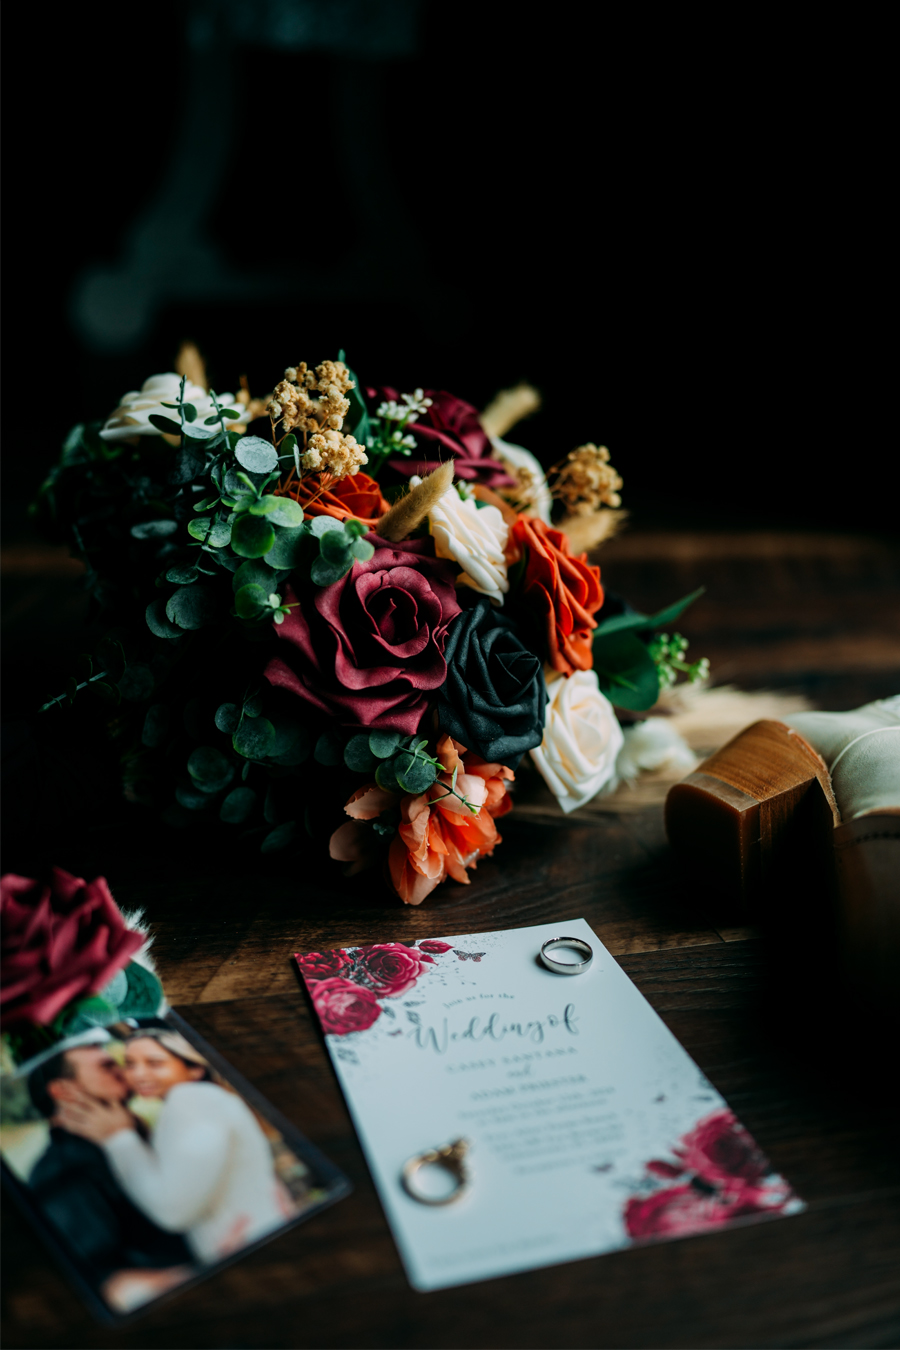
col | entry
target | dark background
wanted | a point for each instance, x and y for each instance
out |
(674, 225)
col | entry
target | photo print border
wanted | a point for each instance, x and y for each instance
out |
(328, 1179)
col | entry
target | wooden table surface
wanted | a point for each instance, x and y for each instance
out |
(759, 1013)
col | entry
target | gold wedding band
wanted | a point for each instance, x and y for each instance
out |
(451, 1159)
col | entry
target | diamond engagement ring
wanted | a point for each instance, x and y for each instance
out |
(450, 1159)
(567, 967)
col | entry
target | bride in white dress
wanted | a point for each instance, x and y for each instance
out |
(208, 1170)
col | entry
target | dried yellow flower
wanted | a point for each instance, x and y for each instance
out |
(585, 480)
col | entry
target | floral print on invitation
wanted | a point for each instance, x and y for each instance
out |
(345, 985)
(717, 1174)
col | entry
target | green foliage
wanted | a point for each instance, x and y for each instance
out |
(256, 455)
(631, 671)
(192, 606)
(625, 670)
(210, 770)
(237, 806)
(254, 737)
(132, 992)
(668, 653)
(279, 838)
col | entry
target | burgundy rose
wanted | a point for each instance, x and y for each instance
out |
(320, 965)
(369, 650)
(59, 942)
(449, 425)
(436, 948)
(392, 968)
(720, 1150)
(343, 1006)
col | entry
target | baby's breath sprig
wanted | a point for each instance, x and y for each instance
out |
(668, 653)
(389, 426)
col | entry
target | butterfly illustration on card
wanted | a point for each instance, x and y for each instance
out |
(468, 956)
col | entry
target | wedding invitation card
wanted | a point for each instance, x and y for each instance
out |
(585, 1125)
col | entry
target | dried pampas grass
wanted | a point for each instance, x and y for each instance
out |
(585, 533)
(412, 509)
(189, 362)
(509, 407)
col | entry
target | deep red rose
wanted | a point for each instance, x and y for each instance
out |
(436, 948)
(369, 650)
(320, 965)
(343, 1006)
(392, 968)
(563, 591)
(449, 425)
(720, 1150)
(59, 942)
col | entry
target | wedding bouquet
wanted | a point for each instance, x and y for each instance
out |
(356, 624)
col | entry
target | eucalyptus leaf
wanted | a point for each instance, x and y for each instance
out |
(115, 991)
(254, 738)
(191, 797)
(166, 424)
(159, 625)
(386, 778)
(362, 550)
(182, 574)
(189, 412)
(287, 549)
(154, 529)
(156, 726)
(251, 601)
(255, 572)
(192, 606)
(210, 770)
(323, 573)
(358, 756)
(384, 743)
(144, 997)
(256, 455)
(288, 513)
(335, 547)
(136, 682)
(321, 525)
(279, 838)
(414, 775)
(228, 716)
(252, 537)
(237, 806)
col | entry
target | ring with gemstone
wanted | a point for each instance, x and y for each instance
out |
(567, 967)
(450, 1159)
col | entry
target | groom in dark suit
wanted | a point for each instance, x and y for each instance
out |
(122, 1253)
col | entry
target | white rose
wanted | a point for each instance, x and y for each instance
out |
(475, 538)
(581, 740)
(132, 417)
(517, 457)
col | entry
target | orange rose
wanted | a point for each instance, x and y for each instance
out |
(564, 591)
(417, 858)
(440, 836)
(357, 496)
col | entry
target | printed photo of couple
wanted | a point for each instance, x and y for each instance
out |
(144, 1162)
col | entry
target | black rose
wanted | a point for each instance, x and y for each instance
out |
(495, 697)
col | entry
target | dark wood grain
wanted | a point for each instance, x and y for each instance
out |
(761, 1015)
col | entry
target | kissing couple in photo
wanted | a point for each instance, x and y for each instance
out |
(144, 1208)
